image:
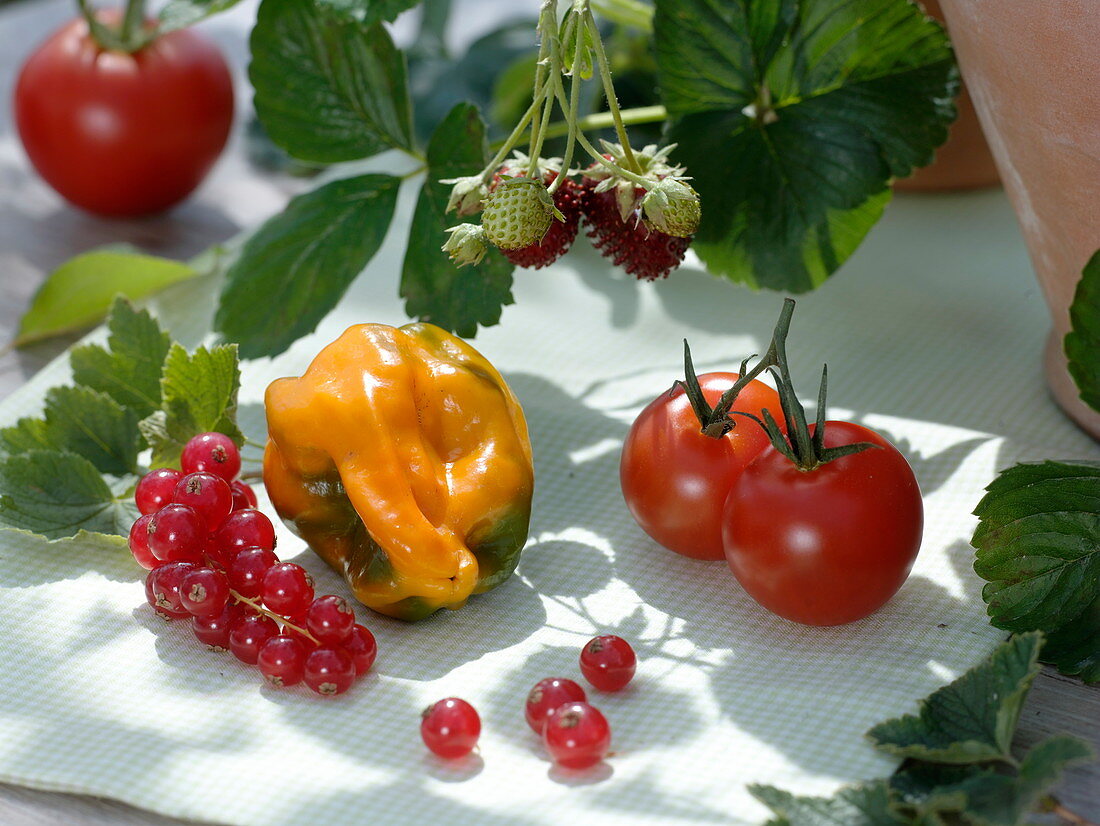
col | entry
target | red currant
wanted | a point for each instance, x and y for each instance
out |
(243, 495)
(208, 494)
(214, 631)
(329, 619)
(247, 570)
(450, 728)
(577, 735)
(247, 634)
(282, 660)
(363, 649)
(246, 528)
(329, 671)
(608, 662)
(546, 696)
(175, 533)
(155, 489)
(213, 453)
(217, 556)
(162, 589)
(204, 592)
(287, 588)
(291, 630)
(139, 543)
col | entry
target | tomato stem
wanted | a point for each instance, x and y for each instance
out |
(132, 23)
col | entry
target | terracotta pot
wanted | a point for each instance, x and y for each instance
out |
(964, 162)
(1033, 69)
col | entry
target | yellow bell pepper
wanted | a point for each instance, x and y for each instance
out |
(402, 458)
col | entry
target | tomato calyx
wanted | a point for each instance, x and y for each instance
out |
(715, 422)
(130, 34)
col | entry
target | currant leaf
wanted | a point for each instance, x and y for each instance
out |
(330, 84)
(973, 719)
(1038, 547)
(25, 435)
(93, 425)
(793, 117)
(129, 371)
(866, 805)
(1082, 344)
(434, 288)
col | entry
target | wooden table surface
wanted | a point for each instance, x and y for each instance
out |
(38, 232)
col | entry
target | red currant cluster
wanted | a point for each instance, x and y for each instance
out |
(211, 557)
(576, 734)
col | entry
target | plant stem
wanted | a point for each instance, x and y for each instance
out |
(132, 23)
(514, 138)
(104, 36)
(602, 120)
(1053, 805)
(571, 116)
(626, 13)
(256, 606)
(609, 90)
(547, 30)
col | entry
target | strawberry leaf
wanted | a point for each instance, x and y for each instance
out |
(299, 264)
(793, 117)
(1083, 342)
(434, 288)
(1038, 547)
(128, 372)
(179, 14)
(866, 805)
(330, 85)
(973, 719)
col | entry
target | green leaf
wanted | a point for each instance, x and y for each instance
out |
(129, 372)
(793, 117)
(296, 267)
(371, 11)
(179, 14)
(866, 805)
(59, 494)
(26, 434)
(200, 395)
(455, 298)
(330, 86)
(973, 719)
(1038, 547)
(93, 425)
(1083, 341)
(78, 294)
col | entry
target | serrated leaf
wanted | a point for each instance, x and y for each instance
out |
(129, 372)
(434, 288)
(78, 294)
(793, 117)
(179, 14)
(93, 425)
(1074, 648)
(59, 494)
(300, 263)
(1083, 341)
(1038, 546)
(866, 805)
(26, 434)
(970, 720)
(330, 86)
(371, 11)
(199, 393)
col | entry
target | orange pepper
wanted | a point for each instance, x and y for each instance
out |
(403, 459)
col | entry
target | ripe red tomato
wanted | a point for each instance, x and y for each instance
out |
(675, 479)
(124, 134)
(829, 545)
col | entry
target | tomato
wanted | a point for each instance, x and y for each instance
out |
(829, 545)
(124, 134)
(675, 478)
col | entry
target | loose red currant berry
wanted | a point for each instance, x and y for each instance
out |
(329, 619)
(282, 660)
(363, 649)
(247, 634)
(208, 494)
(329, 671)
(204, 592)
(162, 589)
(243, 495)
(214, 631)
(176, 533)
(608, 662)
(577, 735)
(247, 569)
(155, 489)
(139, 543)
(287, 588)
(213, 453)
(246, 528)
(546, 696)
(450, 728)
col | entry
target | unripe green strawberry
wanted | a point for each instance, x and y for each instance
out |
(517, 213)
(672, 207)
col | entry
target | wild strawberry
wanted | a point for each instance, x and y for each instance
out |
(518, 213)
(568, 199)
(640, 250)
(466, 244)
(672, 207)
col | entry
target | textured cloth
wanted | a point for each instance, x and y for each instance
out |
(932, 333)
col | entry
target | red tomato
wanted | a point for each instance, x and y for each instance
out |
(124, 134)
(830, 545)
(675, 479)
